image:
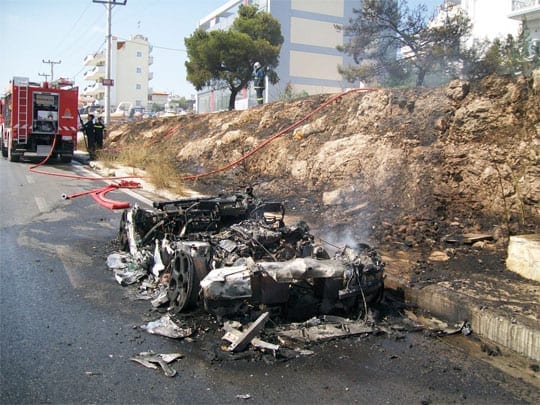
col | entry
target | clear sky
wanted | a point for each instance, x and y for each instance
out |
(35, 30)
(67, 30)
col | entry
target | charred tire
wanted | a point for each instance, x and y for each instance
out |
(122, 233)
(183, 284)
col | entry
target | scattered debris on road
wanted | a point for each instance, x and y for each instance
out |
(235, 257)
(324, 328)
(153, 360)
(165, 326)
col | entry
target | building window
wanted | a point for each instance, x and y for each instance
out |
(139, 70)
(139, 54)
(138, 87)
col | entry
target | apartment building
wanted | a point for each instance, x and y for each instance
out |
(308, 60)
(130, 71)
(527, 11)
(498, 18)
(489, 18)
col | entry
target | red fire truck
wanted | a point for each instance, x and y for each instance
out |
(35, 116)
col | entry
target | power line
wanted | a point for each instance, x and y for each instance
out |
(75, 24)
(156, 46)
(82, 37)
(169, 49)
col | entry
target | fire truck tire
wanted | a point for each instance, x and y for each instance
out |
(4, 151)
(66, 158)
(11, 156)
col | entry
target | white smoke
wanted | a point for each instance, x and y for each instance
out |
(334, 241)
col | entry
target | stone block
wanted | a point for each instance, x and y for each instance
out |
(524, 256)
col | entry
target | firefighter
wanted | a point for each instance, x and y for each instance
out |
(90, 132)
(259, 81)
(99, 131)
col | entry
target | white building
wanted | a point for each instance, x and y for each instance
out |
(308, 59)
(489, 18)
(497, 18)
(528, 11)
(130, 71)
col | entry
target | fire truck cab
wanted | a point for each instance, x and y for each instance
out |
(35, 118)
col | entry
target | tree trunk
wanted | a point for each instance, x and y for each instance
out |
(420, 77)
(232, 98)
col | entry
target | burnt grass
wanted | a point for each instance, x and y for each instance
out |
(460, 159)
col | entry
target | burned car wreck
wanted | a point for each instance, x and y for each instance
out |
(233, 254)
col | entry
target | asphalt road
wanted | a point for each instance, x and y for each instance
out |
(68, 329)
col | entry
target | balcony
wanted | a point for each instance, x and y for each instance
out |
(150, 75)
(98, 72)
(150, 60)
(521, 4)
(94, 59)
(94, 90)
(529, 9)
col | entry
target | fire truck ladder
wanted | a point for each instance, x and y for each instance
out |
(22, 109)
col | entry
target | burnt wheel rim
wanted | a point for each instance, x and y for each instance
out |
(181, 281)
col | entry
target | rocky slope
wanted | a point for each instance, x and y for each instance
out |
(409, 170)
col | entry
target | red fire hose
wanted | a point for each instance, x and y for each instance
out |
(99, 194)
(276, 135)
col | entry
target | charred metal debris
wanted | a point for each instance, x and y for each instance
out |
(234, 256)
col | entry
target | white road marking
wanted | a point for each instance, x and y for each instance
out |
(42, 204)
(72, 266)
(80, 168)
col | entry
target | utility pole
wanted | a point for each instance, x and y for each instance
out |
(109, 5)
(52, 63)
(44, 75)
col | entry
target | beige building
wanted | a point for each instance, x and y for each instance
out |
(130, 72)
(308, 60)
(159, 98)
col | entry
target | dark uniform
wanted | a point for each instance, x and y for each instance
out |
(259, 82)
(99, 130)
(90, 131)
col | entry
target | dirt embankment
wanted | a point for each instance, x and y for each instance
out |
(399, 169)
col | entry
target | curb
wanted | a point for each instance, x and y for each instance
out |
(513, 331)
